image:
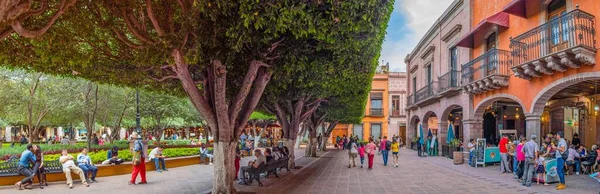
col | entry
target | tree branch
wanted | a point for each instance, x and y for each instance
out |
(311, 109)
(127, 18)
(125, 40)
(260, 84)
(164, 78)
(17, 27)
(153, 19)
(245, 87)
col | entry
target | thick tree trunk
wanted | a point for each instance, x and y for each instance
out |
(311, 149)
(224, 167)
(289, 143)
(327, 135)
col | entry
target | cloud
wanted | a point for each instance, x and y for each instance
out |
(410, 21)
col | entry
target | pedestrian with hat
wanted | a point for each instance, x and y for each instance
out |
(139, 166)
(561, 156)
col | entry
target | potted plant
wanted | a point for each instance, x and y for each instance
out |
(454, 146)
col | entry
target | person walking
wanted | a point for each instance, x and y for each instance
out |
(503, 145)
(68, 166)
(561, 155)
(370, 149)
(530, 151)
(27, 157)
(352, 152)
(139, 166)
(384, 147)
(395, 149)
(361, 152)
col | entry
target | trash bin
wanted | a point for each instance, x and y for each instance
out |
(458, 157)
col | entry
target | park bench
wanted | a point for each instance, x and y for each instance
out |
(9, 168)
(271, 166)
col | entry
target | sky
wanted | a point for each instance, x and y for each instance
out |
(409, 22)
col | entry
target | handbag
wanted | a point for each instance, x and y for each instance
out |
(137, 157)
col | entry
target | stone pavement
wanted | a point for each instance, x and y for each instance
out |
(330, 174)
(182, 180)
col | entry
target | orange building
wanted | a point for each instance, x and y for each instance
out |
(375, 120)
(531, 69)
(538, 57)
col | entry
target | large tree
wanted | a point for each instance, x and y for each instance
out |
(220, 54)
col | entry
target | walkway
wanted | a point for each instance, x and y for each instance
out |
(182, 180)
(330, 174)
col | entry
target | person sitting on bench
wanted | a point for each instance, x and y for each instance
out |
(204, 154)
(252, 165)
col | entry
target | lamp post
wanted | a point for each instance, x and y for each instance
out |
(138, 129)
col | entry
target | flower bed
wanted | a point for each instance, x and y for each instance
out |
(56, 149)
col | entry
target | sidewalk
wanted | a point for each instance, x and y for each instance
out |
(330, 174)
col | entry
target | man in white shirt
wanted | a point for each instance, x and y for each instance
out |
(69, 166)
(156, 155)
(471, 147)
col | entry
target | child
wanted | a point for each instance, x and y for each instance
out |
(361, 152)
(541, 170)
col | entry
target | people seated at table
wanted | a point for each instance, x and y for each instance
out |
(158, 158)
(252, 165)
(573, 159)
(113, 156)
(204, 154)
(68, 165)
(85, 163)
(27, 157)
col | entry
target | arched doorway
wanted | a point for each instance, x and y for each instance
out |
(413, 131)
(453, 115)
(501, 114)
(571, 105)
(430, 133)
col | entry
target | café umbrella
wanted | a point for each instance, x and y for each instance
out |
(450, 136)
(420, 133)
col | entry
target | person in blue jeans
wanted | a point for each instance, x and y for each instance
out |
(560, 161)
(471, 147)
(85, 163)
(158, 158)
(385, 149)
(573, 159)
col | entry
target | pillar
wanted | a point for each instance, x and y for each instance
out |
(442, 134)
(8, 134)
(472, 129)
(533, 126)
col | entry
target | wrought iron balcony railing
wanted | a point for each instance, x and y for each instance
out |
(449, 80)
(410, 100)
(486, 72)
(395, 113)
(567, 41)
(426, 92)
(376, 112)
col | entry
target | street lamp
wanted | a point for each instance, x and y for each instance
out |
(138, 129)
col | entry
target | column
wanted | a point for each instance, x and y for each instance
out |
(442, 134)
(472, 129)
(8, 134)
(533, 125)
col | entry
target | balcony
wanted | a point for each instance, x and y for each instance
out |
(376, 112)
(426, 93)
(395, 113)
(565, 42)
(448, 83)
(410, 101)
(487, 72)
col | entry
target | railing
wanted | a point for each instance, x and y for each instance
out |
(449, 80)
(575, 28)
(376, 112)
(426, 92)
(493, 62)
(410, 100)
(395, 113)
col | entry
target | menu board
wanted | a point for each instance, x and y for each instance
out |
(480, 152)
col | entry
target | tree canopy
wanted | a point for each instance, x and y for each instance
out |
(220, 54)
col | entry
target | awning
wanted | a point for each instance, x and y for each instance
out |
(500, 19)
(519, 7)
(516, 8)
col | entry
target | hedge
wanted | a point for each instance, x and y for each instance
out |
(99, 156)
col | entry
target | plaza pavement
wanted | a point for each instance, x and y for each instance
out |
(182, 180)
(330, 174)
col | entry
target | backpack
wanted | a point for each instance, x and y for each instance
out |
(388, 145)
